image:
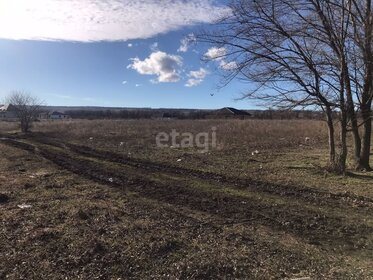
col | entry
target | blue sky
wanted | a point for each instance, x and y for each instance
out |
(118, 53)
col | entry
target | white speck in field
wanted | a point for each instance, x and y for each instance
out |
(111, 180)
(24, 206)
(179, 160)
(90, 139)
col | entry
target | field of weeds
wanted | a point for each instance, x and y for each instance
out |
(101, 200)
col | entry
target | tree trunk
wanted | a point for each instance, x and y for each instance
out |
(366, 104)
(329, 119)
(364, 163)
(351, 114)
(342, 158)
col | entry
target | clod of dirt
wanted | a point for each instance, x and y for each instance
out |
(83, 215)
(4, 198)
(22, 170)
(53, 186)
(28, 186)
(168, 247)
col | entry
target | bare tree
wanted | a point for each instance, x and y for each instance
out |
(303, 53)
(25, 107)
(362, 35)
(273, 44)
(347, 28)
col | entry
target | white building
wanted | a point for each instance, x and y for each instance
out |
(8, 112)
(54, 115)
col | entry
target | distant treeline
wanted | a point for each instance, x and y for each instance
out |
(287, 115)
(185, 114)
(139, 114)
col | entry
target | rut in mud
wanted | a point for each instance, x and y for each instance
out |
(309, 224)
(308, 194)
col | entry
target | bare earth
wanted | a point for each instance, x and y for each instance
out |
(77, 209)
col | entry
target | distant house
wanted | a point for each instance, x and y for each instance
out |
(58, 116)
(229, 113)
(8, 112)
(54, 115)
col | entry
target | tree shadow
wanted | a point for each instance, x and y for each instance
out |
(360, 176)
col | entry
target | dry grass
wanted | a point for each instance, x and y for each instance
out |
(287, 219)
(285, 157)
(8, 126)
(231, 133)
(78, 229)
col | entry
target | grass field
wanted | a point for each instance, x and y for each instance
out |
(107, 203)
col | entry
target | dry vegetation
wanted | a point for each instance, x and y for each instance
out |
(284, 155)
(101, 210)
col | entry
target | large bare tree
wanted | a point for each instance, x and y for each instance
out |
(362, 35)
(297, 54)
(347, 27)
(25, 107)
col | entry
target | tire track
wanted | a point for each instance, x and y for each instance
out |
(307, 224)
(306, 194)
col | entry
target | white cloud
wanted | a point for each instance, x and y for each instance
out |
(165, 66)
(124, 82)
(186, 42)
(220, 54)
(196, 77)
(137, 85)
(216, 53)
(101, 20)
(130, 45)
(193, 82)
(154, 47)
(228, 65)
(199, 74)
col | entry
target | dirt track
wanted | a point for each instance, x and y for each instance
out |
(307, 194)
(283, 208)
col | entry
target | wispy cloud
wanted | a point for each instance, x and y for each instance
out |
(89, 99)
(154, 47)
(215, 53)
(220, 55)
(62, 96)
(228, 66)
(196, 77)
(186, 42)
(93, 20)
(165, 66)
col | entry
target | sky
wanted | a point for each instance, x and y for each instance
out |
(115, 53)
